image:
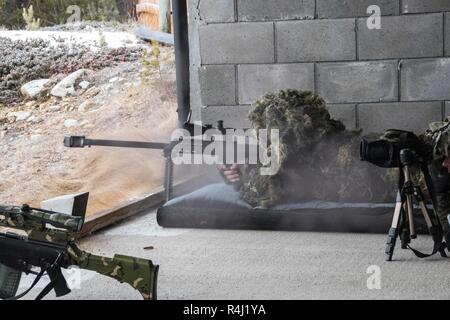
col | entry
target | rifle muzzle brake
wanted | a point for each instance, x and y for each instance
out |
(74, 141)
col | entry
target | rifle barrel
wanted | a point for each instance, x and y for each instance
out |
(125, 144)
(81, 142)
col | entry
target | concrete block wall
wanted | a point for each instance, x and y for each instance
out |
(397, 76)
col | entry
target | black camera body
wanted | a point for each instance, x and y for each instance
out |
(387, 151)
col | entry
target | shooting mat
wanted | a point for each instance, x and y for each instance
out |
(218, 206)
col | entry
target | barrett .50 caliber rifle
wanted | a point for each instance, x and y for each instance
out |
(37, 238)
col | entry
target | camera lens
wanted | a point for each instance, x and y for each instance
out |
(379, 153)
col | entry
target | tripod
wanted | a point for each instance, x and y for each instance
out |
(403, 222)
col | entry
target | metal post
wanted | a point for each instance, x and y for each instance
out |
(181, 34)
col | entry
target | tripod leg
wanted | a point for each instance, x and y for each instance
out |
(434, 228)
(409, 210)
(393, 231)
(404, 231)
(409, 190)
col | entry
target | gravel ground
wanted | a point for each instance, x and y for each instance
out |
(117, 104)
(26, 60)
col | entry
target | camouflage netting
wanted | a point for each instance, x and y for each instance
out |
(319, 158)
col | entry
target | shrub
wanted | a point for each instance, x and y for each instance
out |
(53, 12)
(31, 22)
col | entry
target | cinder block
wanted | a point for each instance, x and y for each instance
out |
(237, 43)
(256, 80)
(216, 10)
(447, 34)
(358, 81)
(425, 79)
(414, 36)
(218, 85)
(262, 10)
(411, 116)
(316, 40)
(447, 109)
(354, 8)
(233, 116)
(345, 113)
(417, 6)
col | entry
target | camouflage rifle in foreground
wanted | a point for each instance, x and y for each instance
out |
(52, 248)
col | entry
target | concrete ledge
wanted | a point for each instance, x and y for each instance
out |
(107, 218)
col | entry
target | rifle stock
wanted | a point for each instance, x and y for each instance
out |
(141, 274)
(54, 249)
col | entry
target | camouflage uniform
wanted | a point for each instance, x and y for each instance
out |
(437, 140)
(318, 156)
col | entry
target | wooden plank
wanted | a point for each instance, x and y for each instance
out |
(106, 218)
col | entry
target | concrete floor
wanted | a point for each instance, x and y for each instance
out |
(219, 264)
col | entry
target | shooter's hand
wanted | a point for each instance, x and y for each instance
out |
(230, 173)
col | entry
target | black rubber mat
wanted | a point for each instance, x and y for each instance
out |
(218, 206)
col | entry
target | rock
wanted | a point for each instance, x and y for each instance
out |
(109, 87)
(34, 88)
(3, 134)
(31, 104)
(112, 80)
(69, 123)
(19, 115)
(36, 137)
(67, 85)
(84, 123)
(84, 85)
(86, 106)
(34, 119)
(92, 92)
(54, 108)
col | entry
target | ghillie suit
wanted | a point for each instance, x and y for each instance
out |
(318, 157)
(437, 141)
